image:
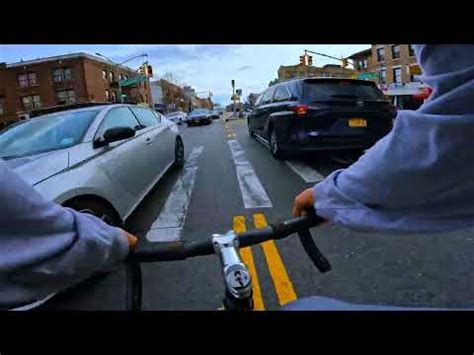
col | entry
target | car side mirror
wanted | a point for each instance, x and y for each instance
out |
(113, 135)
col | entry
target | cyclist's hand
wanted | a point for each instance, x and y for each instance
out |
(303, 202)
(132, 240)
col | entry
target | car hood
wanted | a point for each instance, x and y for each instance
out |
(36, 168)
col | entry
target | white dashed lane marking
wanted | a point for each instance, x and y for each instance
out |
(307, 173)
(167, 227)
(253, 193)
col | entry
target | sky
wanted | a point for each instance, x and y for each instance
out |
(204, 67)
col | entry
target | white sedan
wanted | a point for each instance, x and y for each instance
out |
(101, 159)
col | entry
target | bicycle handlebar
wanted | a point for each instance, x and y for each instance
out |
(169, 251)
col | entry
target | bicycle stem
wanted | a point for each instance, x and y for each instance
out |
(236, 275)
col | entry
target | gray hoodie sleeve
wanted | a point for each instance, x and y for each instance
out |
(46, 247)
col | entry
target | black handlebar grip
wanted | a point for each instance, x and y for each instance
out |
(166, 251)
(318, 259)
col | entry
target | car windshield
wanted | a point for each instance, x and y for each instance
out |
(199, 111)
(335, 90)
(44, 134)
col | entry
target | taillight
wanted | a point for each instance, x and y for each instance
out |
(300, 110)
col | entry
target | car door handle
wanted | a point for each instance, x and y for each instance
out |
(148, 141)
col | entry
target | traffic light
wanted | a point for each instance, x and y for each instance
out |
(344, 62)
(310, 60)
(233, 82)
(302, 60)
(149, 71)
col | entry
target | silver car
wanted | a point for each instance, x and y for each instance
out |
(102, 159)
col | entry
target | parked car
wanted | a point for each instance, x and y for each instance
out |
(102, 160)
(307, 115)
(177, 117)
(215, 114)
(199, 116)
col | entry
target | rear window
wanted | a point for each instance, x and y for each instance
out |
(341, 90)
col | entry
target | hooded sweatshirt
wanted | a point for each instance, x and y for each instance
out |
(46, 248)
(420, 176)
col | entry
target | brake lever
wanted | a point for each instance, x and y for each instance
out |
(310, 247)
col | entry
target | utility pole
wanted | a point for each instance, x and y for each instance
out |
(233, 95)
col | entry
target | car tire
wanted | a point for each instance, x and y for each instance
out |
(179, 158)
(275, 146)
(96, 208)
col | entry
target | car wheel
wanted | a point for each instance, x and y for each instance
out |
(275, 146)
(179, 158)
(251, 134)
(96, 208)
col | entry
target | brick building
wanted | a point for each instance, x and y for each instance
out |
(61, 80)
(393, 64)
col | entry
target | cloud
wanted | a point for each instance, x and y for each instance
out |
(245, 67)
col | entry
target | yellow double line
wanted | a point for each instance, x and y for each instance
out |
(230, 134)
(282, 283)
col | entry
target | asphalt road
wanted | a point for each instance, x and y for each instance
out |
(208, 197)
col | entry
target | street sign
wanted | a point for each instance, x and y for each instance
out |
(368, 75)
(131, 81)
(238, 92)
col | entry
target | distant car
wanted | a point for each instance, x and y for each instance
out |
(199, 116)
(307, 115)
(102, 160)
(177, 117)
(215, 114)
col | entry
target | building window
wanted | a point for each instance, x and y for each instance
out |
(411, 50)
(25, 80)
(114, 96)
(107, 95)
(32, 79)
(397, 75)
(383, 76)
(22, 80)
(111, 76)
(65, 97)
(61, 74)
(395, 51)
(381, 54)
(31, 102)
(104, 74)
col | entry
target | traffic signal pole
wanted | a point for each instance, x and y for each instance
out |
(343, 60)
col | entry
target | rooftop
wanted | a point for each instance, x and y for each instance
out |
(367, 51)
(60, 57)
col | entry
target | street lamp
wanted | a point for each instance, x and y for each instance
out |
(118, 67)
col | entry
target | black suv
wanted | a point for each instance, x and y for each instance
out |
(306, 115)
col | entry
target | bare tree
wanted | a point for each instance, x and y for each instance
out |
(173, 78)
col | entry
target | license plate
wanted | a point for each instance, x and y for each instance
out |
(357, 122)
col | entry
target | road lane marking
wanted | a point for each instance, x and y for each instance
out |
(252, 191)
(167, 227)
(283, 285)
(247, 258)
(307, 173)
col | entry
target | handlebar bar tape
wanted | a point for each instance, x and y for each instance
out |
(165, 251)
(318, 259)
